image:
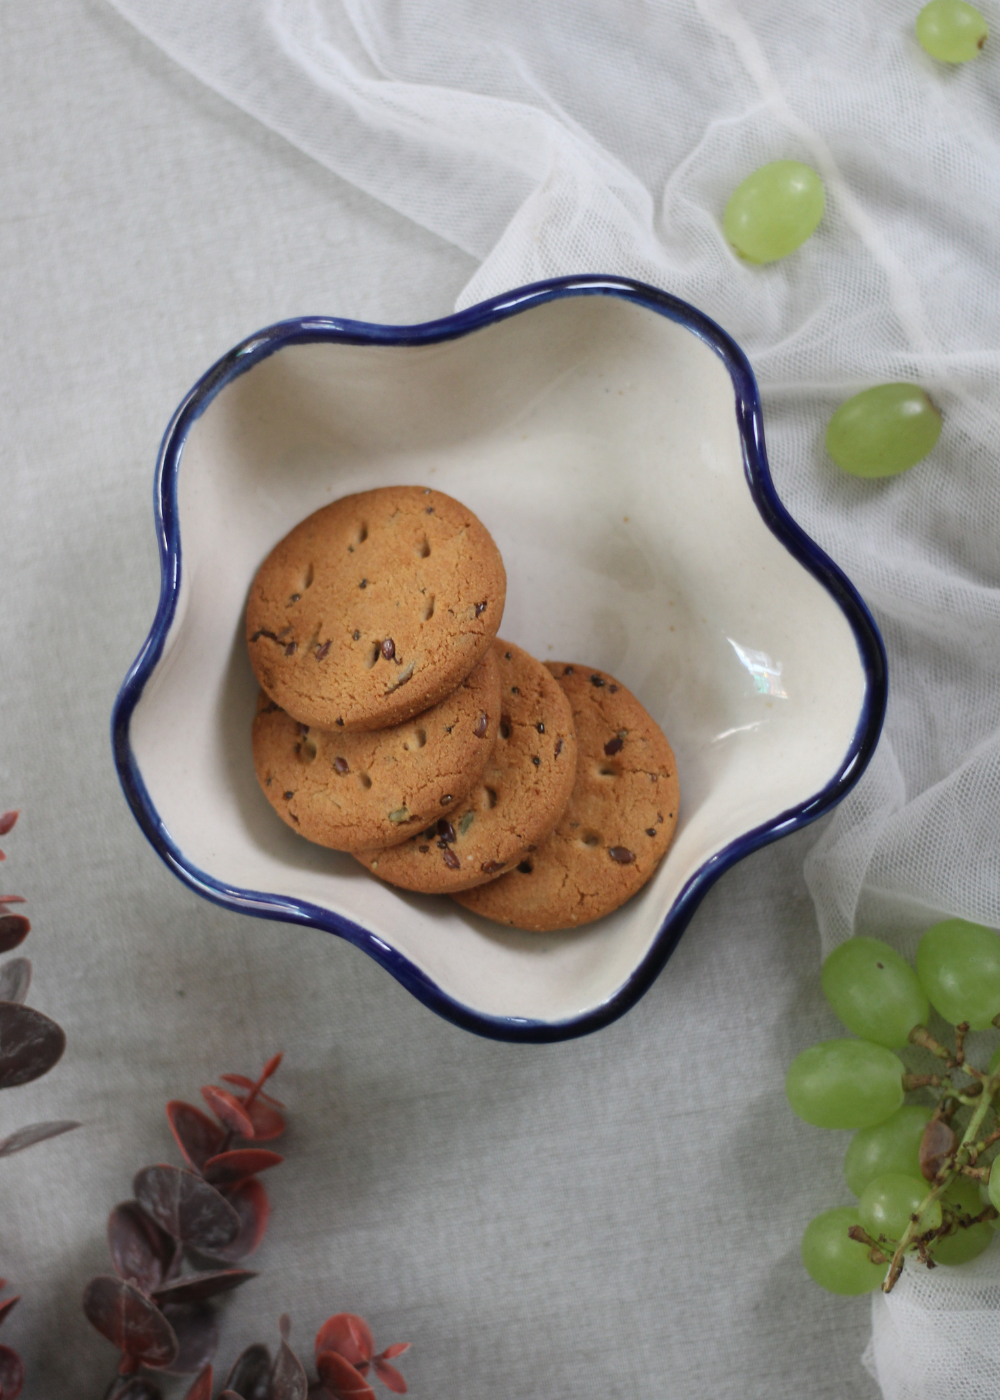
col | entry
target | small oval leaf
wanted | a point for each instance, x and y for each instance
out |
(30, 1044)
(341, 1379)
(35, 1132)
(267, 1122)
(242, 1082)
(197, 1136)
(250, 1377)
(129, 1320)
(197, 1335)
(228, 1109)
(7, 1304)
(389, 1376)
(15, 979)
(230, 1167)
(288, 1379)
(348, 1335)
(141, 1251)
(195, 1288)
(249, 1200)
(14, 929)
(186, 1207)
(7, 820)
(11, 1373)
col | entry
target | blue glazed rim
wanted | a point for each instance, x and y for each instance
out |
(751, 428)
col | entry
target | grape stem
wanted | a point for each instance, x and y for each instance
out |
(951, 1168)
(977, 1173)
(859, 1233)
(920, 1035)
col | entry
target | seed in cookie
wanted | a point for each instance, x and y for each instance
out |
(516, 802)
(374, 608)
(616, 828)
(350, 790)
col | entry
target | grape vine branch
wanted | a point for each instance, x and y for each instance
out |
(962, 1160)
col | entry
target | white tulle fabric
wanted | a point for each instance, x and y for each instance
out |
(606, 136)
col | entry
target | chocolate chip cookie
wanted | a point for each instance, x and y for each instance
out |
(375, 608)
(617, 826)
(353, 790)
(516, 802)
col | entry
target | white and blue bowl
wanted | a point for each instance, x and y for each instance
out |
(610, 438)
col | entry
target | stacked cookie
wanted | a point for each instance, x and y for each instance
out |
(393, 724)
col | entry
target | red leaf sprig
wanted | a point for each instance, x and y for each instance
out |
(30, 1045)
(345, 1352)
(212, 1212)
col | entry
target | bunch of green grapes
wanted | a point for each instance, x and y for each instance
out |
(921, 1173)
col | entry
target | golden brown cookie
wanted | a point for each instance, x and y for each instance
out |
(354, 790)
(375, 608)
(516, 802)
(617, 826)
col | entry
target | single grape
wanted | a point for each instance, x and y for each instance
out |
(874, 991)
(774, 210)
(958, 965)
(951, 30)
(835, 1261)
(845, 1084)
(883, 430)
(892, 1146)
(963, 1196)
(888, 1201)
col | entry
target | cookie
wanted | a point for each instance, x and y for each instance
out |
(354, 790)
(617, 826)
(515, 804)
(375, 608)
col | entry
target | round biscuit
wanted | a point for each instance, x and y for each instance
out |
(617, 825)
(352, 790)
(374, 608)
(516, 802)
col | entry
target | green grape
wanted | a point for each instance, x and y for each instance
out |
(845, 1084)
(892, 1146)
(951, 30)
(883, 430)
(835, 1261)
(874, 991)
(962, 1195)
(774, 210)
(888, 1201)
(958, 964)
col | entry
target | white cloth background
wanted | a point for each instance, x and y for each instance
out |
(581, 1220)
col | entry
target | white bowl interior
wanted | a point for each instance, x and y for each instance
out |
(597, 440)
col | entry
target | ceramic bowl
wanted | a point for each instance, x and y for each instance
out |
(610, 438)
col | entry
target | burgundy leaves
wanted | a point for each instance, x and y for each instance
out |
(184, 1205)
(30, 1044)
(123, 1313)
(213, 1211)
(345, 1351)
